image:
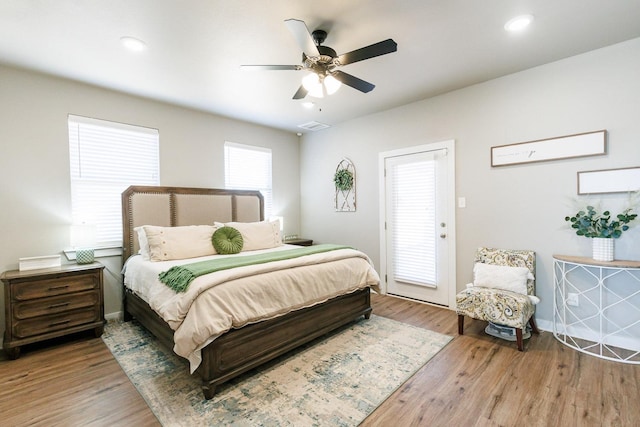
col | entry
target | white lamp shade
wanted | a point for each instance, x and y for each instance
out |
(279, 219)
(332, 84)
(310, 81)
(312, 84)
(83, 235)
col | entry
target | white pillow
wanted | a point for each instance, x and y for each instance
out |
(512, 279)
(142, 242)
(257, 235)
(190, 241)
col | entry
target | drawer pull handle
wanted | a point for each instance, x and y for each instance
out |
(62, 304)
(56, 288)
(62, 322)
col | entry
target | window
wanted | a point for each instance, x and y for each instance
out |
(249, 168)
(106, 158)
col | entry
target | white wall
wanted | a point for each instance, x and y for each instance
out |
(519, 207)
(515, 206)
(35, 189)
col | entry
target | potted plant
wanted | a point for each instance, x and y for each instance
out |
(602, 228)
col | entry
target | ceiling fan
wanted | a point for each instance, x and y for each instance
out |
(323, 62)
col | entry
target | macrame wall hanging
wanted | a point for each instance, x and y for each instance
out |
(345, 182)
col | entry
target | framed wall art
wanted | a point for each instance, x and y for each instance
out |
(344, 180)
(563, 147)
(621, 180)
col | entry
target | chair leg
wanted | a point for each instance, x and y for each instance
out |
(460, 324)
(519, 339)
(534, 327)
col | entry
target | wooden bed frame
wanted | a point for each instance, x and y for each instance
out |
(238, 350)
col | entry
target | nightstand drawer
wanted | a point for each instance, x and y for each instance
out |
(47, 324)
(56, 286)
(53, 305)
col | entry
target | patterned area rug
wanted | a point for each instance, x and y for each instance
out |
(337, 380)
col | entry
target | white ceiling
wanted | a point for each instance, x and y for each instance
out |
(195, 47)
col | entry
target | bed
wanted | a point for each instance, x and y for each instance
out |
(254, 340)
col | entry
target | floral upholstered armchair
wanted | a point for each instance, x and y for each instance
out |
(503, 291)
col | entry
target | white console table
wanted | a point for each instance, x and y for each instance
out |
(597, 307)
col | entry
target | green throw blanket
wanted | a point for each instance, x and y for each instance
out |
(179, 277)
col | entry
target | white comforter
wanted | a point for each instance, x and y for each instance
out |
(217, 302)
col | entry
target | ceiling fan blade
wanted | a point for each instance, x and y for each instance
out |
(371, 51)
(271, 67)
(301, 93)
(353, 81)
(303, 37)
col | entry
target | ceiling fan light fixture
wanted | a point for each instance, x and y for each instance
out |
(310, 81)
(332, 84)
(321, 62)
(313, 85)
(518, 23)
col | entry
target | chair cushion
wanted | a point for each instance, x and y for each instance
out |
(495, 305)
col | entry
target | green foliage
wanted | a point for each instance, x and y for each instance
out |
(343, 179)
(593, 224)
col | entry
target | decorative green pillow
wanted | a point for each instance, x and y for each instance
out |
(227, 240)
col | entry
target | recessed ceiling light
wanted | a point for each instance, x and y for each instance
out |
(133, 43)
(308, 104)
(518, 23)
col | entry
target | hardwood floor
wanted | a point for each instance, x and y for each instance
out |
(479, 380)
(476, 380)
(74, 382)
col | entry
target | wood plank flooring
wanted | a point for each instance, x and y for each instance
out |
(73, 382)
(476, 380)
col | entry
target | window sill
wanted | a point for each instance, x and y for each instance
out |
(99, 252)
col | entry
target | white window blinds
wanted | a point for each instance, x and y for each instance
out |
(414, 237)
(105, 158)
(247, 167)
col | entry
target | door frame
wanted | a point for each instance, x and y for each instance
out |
(449, 145)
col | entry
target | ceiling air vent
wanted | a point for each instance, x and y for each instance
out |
(313, 126)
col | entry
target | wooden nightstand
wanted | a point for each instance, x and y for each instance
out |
(299, 242)
(51, 302)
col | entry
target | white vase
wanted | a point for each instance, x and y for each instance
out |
(602, 249)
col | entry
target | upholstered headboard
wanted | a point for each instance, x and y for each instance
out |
(176, 206)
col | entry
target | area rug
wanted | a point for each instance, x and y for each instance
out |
(337, 380)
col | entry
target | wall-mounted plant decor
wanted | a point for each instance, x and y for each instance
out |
(344, 180)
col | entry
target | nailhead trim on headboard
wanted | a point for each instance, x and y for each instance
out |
(128, 207)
